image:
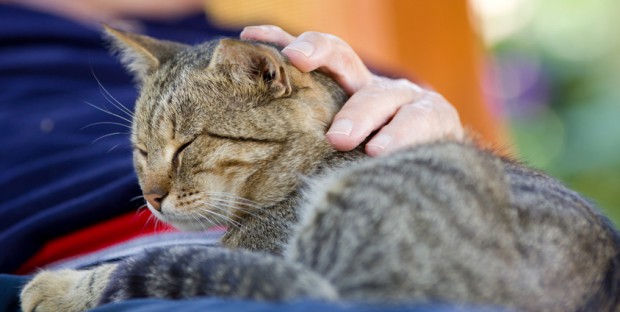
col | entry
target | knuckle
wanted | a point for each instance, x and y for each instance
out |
(347, 63)
(421, 112)
(417, 108)
(396, 88)
(315, 35)
(338, 59)
(434, 97)
(320, 39)
(410, 88)
(331, 42)
(383, 85)
(441, 105)
(413, 87)
(275, 28)
(403, 83)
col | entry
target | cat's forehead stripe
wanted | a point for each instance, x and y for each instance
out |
(169, 151)
(161, 112)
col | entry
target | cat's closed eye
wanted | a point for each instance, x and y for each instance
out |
(177, 154)
(142, 151)
(242, 139)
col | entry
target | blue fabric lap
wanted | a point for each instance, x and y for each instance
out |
(223, 305)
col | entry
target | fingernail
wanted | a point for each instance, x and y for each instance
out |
(262, 29)
(342, 127)
(380, 141)
(302, 47)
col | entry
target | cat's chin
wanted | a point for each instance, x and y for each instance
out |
(183, 223)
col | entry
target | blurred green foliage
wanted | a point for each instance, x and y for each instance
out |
(565, 113)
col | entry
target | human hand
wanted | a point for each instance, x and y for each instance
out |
(403, 113)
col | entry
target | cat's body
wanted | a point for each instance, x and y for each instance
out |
(231, 127)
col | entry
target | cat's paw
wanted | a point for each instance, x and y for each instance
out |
(64, 290)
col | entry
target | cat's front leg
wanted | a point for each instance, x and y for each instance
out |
(66, 290)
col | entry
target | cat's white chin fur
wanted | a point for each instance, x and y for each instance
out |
(184, 223)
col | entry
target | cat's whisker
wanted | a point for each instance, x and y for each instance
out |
(209, 221)
(197, 216)
(136, 198)
(163, 226)
(108, 135)
(140, 213)
(106, 123)
(237, 224)
(224, 207)
(227, 219)
(230, 195)
(221, 215)
(197, 219)
(250, 209)
(119, 106)
(239, 203)
(108, 112)
(158, 225)
(113, 148)
(233, 201)
(235, 206)
(152, 219)
(110, 98)
(231, 198)
(116, 103)
(141, 210)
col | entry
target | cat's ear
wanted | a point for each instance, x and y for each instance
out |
(253, 61)
(140, 54)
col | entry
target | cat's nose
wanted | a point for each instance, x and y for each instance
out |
(155, 198)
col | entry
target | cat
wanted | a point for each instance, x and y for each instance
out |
(230, 133)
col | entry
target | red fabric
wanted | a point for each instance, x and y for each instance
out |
(96, 237)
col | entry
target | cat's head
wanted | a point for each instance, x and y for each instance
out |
(222, 128)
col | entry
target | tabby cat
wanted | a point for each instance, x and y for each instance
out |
(230, 133)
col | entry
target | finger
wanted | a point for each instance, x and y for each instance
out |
(428, 119)
(267, 33)
(330, 54)
(313, 50)
(369, 109)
